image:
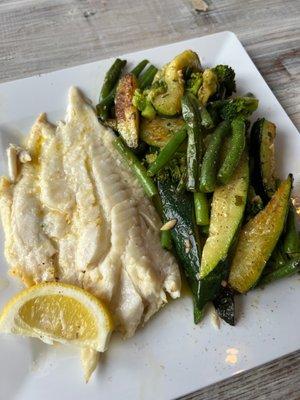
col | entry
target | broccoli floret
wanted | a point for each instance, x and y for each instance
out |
(158, 87)
(148, 112)
(175, 170)
(226, 80)
(209, 86)
(150, 158)
(141, 101)
(239, 106)
(194, 82)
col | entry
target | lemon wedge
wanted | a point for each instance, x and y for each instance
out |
(58, 312)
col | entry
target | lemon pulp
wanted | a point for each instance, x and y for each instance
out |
(60, 316)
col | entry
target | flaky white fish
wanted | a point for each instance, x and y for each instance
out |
(76, 214)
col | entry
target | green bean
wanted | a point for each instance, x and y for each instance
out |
(290, 268)
(167, 152)
(136, 167)
(158, 206)
(191, 115)
(102, 113)
(165, 236)
(103, 107)
(109, 89)
(147, 78)
(111, 77)
(201, 208)
(166, 240)
(107, 102)
(208, 174)
(277, 259)
(291, 242)
(234, 151)
(206, 119)
(139, 68)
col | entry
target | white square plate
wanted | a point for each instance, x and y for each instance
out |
(170, 356)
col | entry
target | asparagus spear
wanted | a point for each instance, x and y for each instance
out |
(201, 208)
(107, 102)
(139, 68)
(191, 115)
(167, 152)
(111, 77)
(208, 176)
(290, 268)
(291, 242)
(136, 167)
(147, 78)
(235, 150)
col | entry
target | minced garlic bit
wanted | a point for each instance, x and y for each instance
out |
(14, 154)
(24, 156)
(12, 163)
(169, 225)
(187, 245)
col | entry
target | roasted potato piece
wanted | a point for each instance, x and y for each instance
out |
(127, 115)
(158, 131)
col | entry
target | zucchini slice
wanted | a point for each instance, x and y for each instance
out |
(224, 305)
(227, 212)
(169, 102)
(127, 114)
(263, 153)
(258, 239)
(180, 206)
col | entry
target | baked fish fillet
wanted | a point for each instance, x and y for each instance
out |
(76, 214)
